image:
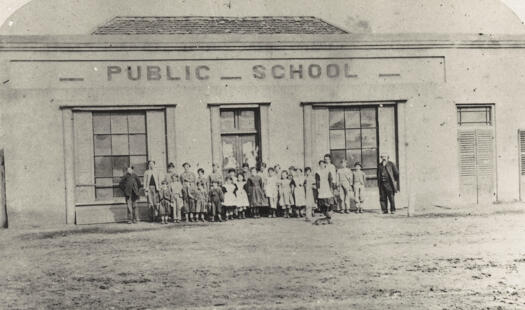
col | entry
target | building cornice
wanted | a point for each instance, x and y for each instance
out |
(107, 43)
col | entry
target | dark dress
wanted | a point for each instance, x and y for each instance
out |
(255, 191)
(165, 201)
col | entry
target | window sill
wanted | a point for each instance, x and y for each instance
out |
(105, 203)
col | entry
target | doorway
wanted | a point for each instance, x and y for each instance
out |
(240, 138)
(476, 153)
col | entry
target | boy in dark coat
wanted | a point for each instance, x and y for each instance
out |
(130, 186)
(216, 200)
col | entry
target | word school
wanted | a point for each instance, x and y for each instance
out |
(205, 72)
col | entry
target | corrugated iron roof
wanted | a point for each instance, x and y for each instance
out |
(150, 25)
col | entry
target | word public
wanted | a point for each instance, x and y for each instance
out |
(205, 72)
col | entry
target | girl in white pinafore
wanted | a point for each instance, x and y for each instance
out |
(230, 198)
(242, 197)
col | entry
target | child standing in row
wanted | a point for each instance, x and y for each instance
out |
(230, 199)
(216, 200)
(272, 191)
(189, 191)
(299, 192)
(285, 193)
(255, 192)
(359, 186)
(177, 202)
(345, 179)
(201, 201)
(165, 198)
(309, 187)
(242, 196)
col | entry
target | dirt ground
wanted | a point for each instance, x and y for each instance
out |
(368, 261)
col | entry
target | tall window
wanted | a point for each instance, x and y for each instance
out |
(240, 138)
(119, 140)
(353, 136)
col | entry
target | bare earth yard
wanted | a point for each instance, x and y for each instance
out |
(368, 261)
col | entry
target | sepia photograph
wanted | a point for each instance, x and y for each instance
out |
(262, 154)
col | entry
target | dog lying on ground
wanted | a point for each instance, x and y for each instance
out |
(323, 221)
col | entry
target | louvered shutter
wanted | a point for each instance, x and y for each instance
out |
(467, 164)
(84, 161)
(485, 164)
(521, 137)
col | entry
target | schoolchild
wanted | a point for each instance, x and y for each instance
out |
(216, 200)
(177, 202)
(188, 180)
(271, 191)
(165, 202)
(359, 186)
(324, 186)
(201, 207)
(230, 198)
(299, 192)
(242, 196)
(309, 189)
(255, 192)
(345, 179)
(285, 193)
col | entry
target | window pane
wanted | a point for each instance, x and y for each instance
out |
(337, 139)
(100, 182)
(371, 177)
(117, 192)
(369, 138)
(119, 145)
(119, 123)
(227, 120)
(104, 193)
(249, 151)
(247, 120)
(337, 119)
(137, 144)
(473, 115)
(119, 164)
(101, 123)
(353, 156)
(369, 158)
(137, 123)
(337, 157)
(352, 118)
(229, 157)
(368, 117)
(102, 145)
(139, 164)
(353, 139)
(103, 167)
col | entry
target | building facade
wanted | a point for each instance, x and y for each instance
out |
(76, 110)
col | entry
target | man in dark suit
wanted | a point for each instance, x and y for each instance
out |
(130, 186)
(388, 182)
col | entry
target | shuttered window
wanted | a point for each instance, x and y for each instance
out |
(476, 153)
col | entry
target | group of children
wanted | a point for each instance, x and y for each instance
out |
(252, 192)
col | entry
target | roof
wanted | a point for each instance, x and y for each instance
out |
(82, 17)
(133, 25)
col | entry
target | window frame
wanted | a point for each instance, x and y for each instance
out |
(238, 132)
(463, 108)
(115, 186)
(372, 178)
